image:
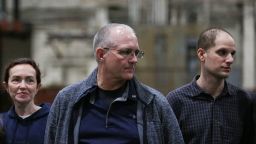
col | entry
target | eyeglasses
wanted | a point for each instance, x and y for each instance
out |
(129, 52)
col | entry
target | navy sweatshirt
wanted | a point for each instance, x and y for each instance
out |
(26, 131)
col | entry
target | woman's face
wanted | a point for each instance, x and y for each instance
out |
(22, 85)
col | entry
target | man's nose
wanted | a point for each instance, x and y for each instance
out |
(133, 57)
(230, 58)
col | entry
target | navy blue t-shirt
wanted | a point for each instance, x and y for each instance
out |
(108, 122)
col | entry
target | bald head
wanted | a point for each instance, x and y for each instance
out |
(106, 36)
(207, 38)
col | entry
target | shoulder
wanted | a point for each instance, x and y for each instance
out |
(150, 95)
(1, 129)
(1, 120)
(158, 98)
(73, 88)
(151, 90)
(253, 95)
(65, 98)
(238, 92)
(72, 91)
(45, 107)
(180, 96)
(7, 115)
(180, 92)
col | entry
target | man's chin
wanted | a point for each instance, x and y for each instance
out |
(224, 76)
(128, 76)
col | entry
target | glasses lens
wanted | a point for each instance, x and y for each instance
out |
(125, 52)
(128, 52)
(139, 54)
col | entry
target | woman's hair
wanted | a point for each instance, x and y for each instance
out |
(22, 61)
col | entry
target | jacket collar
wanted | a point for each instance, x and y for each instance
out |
(143, 93)
(90, 84)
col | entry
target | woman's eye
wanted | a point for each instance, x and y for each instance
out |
(30, 81)
(15, 80)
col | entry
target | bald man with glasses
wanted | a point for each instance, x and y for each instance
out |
(111, 106)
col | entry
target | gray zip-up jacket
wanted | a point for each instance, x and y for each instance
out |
(156, 121)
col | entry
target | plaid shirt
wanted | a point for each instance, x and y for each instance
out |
(205, 120)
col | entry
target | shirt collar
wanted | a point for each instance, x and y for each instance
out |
(197, 91)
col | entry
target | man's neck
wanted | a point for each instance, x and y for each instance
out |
(106, 83)
(211, 85)
(110, 85)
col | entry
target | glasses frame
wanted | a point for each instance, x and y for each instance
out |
(128, 52)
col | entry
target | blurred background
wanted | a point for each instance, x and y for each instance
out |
(58, 35)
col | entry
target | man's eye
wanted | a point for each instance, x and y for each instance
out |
(137, 52)
(222, 52)
(233, 53)
(125, 52)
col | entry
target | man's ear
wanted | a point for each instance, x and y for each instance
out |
(201, 54)
(99, 54)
